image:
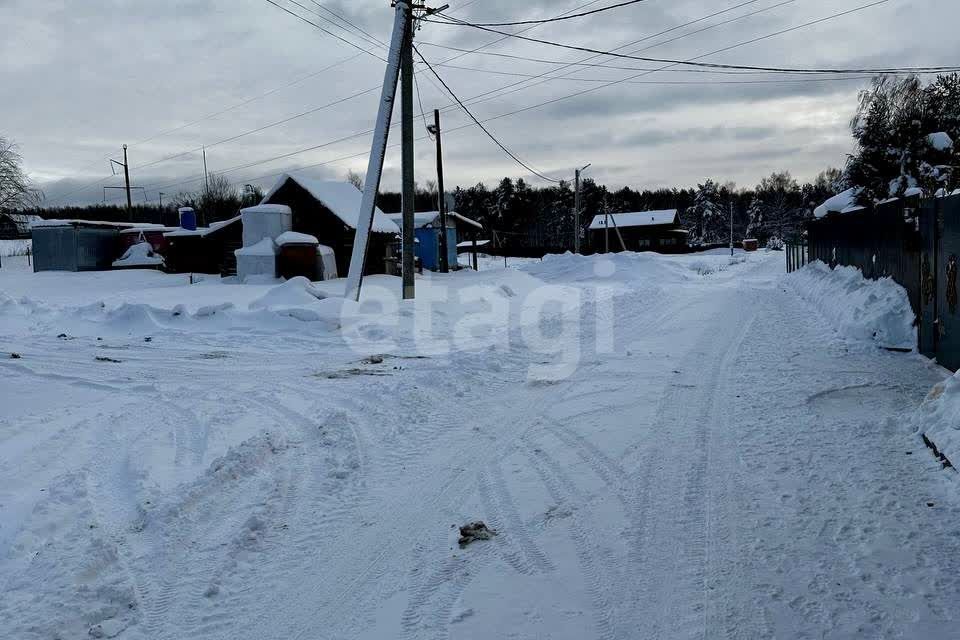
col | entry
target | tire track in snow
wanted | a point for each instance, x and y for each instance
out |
(681, 602)
(312, 502)
(561, 489)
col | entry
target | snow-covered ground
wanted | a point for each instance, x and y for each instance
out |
(15, 247)
(668, 447)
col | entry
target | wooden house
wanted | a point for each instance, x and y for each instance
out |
(16, 226)
(658, 231)
(329, 212)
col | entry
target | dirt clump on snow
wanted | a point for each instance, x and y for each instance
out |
(474, 531)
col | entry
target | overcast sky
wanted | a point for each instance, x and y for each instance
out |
(82, 78)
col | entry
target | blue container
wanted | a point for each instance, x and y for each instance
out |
(188, 219)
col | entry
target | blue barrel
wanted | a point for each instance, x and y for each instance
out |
(188, 218)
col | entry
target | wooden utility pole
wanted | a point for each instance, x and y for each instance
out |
(126, 178)
(731, 228)
(406, 133)
(444, 261)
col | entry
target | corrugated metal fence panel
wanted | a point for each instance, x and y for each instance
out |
(97, 248)
(948, 262)
(54, 249)
(927, 226)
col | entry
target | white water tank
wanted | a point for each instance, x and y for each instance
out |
(265, 221)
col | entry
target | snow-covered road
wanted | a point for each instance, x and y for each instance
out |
(716, 463)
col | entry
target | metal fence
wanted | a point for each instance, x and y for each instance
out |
(796, 255)
(915, 242)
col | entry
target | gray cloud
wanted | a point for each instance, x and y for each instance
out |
(86, 77)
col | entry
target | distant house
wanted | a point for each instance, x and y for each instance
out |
(329, 211)
(658, 231)
(427, 231)
(16, 226)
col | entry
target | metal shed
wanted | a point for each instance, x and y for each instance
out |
(75, 245)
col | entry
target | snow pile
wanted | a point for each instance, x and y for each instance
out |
(941, 141)
(858, 308)
(139, 255)
(938, 418)
(293, 293)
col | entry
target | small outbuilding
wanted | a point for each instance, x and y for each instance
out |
(76, 245)
(658, 231)
(205, 249)
(427, 232)
(329, 212)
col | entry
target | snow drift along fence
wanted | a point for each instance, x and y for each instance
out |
(917, 243)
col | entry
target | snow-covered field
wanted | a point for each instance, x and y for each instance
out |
(668, 447)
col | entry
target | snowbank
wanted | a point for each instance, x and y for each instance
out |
(859, 309)
(938, 418)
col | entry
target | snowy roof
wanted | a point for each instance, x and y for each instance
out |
(422, 219)
(22, 221)
(148, 229)
(941, 141)
(636, 219)
(91, 223)
(180, 232)
(341, 198)
(469, 243)
(844, 202)
(292, 237)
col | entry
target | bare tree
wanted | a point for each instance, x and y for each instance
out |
(16, 189)
(355, 179)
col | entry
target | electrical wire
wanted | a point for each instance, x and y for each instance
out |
(559, 18)
(325, 30)
(463, 107)
(727, 66)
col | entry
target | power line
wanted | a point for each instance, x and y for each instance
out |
(326, 31)
(726, 66)
(479, 124)
(559, 18)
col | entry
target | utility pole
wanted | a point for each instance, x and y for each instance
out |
(576, 211)
(606, 227)
(400, 57)
(206, 176)
(731, 228)
(126, 177)
(576, 207)
(161, 199)
(442, 204)
(406, 134)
